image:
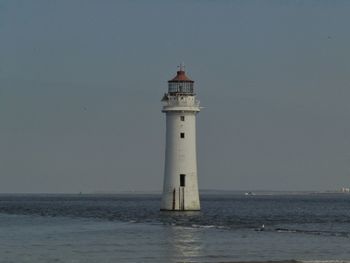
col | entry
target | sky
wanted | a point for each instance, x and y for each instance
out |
(81, 83)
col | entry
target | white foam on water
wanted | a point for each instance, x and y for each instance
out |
(325, 261)
(203, 226)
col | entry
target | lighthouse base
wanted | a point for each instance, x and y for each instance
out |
(166, 210)
(180, 199)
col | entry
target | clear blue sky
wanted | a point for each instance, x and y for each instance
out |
(81, 83)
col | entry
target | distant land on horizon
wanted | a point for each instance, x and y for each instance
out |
(202, 191)
(235, 192)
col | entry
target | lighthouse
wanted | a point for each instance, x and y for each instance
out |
(180, 186)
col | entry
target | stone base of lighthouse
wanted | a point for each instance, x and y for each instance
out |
(176, 200)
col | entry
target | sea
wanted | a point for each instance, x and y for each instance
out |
(231, 227)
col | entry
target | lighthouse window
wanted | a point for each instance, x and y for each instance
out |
(182, 118)
(182, 180)
(182, 135)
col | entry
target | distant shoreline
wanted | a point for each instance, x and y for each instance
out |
(202, 192)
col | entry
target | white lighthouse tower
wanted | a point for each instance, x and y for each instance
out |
(180, 189)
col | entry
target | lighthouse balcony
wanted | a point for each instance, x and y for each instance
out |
(182, 103)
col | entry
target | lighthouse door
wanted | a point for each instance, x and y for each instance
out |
(182, 192)
(182, 180)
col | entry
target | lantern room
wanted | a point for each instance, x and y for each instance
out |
(180, 84)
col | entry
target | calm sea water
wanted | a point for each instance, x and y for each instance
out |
(130, 228)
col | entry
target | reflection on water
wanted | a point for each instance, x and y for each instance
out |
(183, 243)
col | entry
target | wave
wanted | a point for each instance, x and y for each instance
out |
(315, 232)
(325, 261)
(295, 261)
